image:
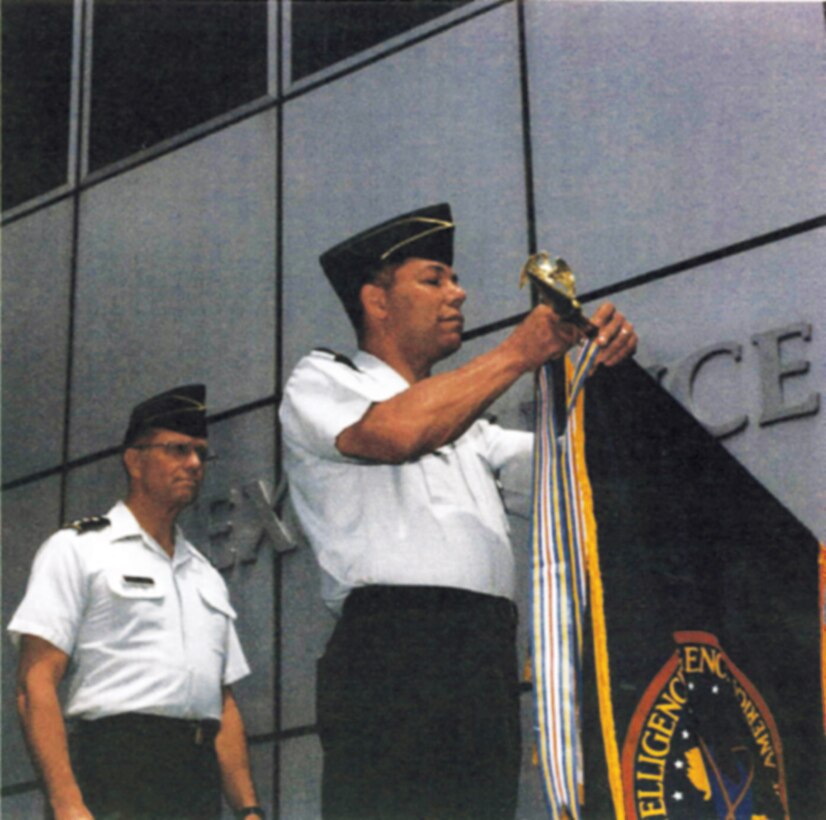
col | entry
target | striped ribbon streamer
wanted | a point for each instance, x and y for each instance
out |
(559, 591)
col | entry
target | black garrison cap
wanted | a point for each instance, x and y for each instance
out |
(426, 233)
(181, 409)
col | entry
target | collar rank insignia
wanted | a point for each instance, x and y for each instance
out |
(88, 524)
(337, 357)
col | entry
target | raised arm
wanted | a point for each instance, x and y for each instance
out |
(40, 670)
(437, 410)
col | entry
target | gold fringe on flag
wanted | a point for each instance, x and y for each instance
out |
(598, 628)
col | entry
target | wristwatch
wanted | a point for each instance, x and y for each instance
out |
(250, 811)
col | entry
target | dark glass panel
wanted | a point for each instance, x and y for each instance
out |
(163, 66)
(326, 31)
(37, 48)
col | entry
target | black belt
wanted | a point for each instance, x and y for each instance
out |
(195, 732)
(373, 600)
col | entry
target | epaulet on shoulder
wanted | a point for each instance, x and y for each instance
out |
(90, 524)
(336, 357)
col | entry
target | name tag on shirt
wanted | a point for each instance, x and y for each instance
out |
(139, 580)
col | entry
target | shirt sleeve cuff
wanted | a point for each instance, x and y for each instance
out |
(18, 628)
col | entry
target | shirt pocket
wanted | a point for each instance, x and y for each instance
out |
(134, 607)
(134, 585)
(217, 619)
(217, 601)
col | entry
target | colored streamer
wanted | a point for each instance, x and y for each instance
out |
(561, 529)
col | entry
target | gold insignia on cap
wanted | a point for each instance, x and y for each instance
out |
(196, 407)
(436, 225)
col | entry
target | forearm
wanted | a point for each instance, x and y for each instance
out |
(437, 410)
(233, 758)
(433, 412)
(45, 732)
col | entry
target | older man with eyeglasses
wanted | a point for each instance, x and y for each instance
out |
(141, 624)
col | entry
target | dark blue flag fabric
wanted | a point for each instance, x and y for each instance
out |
(708, 642)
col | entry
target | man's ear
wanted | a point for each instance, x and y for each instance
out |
(132, 460)
(373, 300)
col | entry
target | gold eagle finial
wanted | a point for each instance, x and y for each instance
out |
(555, 286)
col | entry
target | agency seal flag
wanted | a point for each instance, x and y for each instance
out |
(701, 568)
(678, 618)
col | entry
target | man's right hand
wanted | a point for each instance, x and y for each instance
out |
(74, 810)
(542, 336)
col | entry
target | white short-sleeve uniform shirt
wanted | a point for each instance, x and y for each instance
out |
(435, 521)
(145, 633)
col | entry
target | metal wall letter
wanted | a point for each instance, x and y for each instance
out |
(773, 370)
(685, 374)
(237, 525)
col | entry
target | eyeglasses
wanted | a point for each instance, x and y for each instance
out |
(181, 450)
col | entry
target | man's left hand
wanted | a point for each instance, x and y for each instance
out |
(616, 338)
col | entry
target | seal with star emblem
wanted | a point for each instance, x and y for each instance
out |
(702, 742)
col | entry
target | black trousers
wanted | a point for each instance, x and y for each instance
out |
(418, 707)
(142, 767)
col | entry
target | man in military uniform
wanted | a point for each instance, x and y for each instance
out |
(141, 625)
(393, 474)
